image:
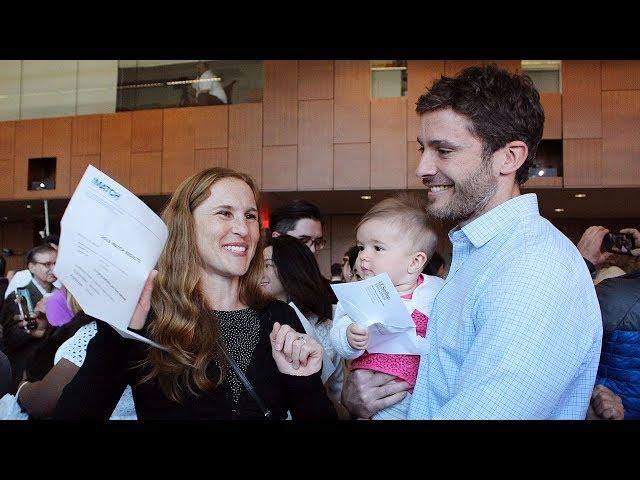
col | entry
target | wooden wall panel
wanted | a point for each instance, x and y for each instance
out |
(146, 131)
(7, 160)
(352, 166)
(17, 236)
(413, 158)
(389, 142)
(453, 67)
(315, 79)
(56, 142)
(352, 106)
(280, 102)
(420, 75)
(279, 168)
(543, 182)
(582, 162)
(178, 128)
(552, 106)
(621, 138)
(146, 173)
(513, 66)
(28, 145)
(178, 144)
(315, 145)
(620, 75)
(211, 126)
(6, 178)
(7, 139)
(115, 147)
(581, 101)
(245, 139)
(86, 135)
(211, 157)
(79, 164)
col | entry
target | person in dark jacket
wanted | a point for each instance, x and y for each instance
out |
(619, 299)
(5, 375)
(228, 351)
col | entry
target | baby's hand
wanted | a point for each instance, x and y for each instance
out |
(357, 336)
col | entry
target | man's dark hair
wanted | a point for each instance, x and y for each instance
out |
(55, 239)
(300, 277)
(433, 265)
(336, 269)
(3, 266)
(45, 248)
(502, 107)
(285, 218)
(352, 253)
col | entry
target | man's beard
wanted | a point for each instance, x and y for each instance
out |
(469, 196)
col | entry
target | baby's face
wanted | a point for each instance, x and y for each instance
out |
(384, 247)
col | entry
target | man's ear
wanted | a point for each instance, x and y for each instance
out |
(275, 234)
(417, 262)
(515, 154)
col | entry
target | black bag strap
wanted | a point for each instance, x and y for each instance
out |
(247, 384)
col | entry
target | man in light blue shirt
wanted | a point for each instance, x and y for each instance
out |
(515, 332)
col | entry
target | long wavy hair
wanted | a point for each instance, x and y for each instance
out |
(183, 322)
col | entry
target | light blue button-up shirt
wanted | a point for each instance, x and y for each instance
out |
(515, 332)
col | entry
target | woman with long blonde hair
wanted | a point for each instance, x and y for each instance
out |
(228, 350)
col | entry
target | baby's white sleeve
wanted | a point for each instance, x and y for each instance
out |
(338, 335)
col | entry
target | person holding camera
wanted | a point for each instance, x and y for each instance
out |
(619, 298)
(24, 331)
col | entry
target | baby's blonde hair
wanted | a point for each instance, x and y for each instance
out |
(408, 210)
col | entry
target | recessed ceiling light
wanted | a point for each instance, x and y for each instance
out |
(366, 197)
(580, 195)
(558, 210)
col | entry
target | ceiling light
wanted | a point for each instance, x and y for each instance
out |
(580, 195)
(366, 197)
(558, 210)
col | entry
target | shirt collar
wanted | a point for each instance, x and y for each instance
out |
(499, 219)
(40, 288)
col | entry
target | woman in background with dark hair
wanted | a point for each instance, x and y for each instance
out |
(349, 268)
(292, 275)
(435, 266)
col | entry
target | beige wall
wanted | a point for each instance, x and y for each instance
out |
(319, 129)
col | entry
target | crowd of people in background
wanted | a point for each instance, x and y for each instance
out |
(250, 328)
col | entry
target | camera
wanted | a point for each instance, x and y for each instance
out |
(620, 243)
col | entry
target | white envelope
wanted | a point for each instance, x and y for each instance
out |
(375, 304)
(110, 241)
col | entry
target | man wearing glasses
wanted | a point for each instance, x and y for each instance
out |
(18, 342)
(302, 220)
